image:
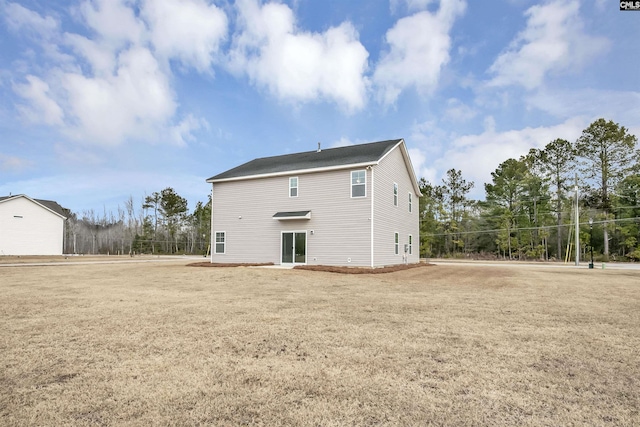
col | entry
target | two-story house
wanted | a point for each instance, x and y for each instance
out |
(347, 206)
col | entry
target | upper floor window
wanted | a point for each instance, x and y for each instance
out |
(359, 183)
(293, 186)
(396, 240)
(410, 202)
(395, 194)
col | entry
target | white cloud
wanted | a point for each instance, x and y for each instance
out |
(74, 157)
(13, 164)
(133, 102)
(43, 30)
(458, 112)
(479, 155)
(299, 66)
(554, 40)
(41, 107)
(114, 21)
(419, 160)
(419, 48)
(622, 106)
(100, 57)
(183, 131)
(116, 84)
(20, 19)
(189, 30)
(412, 5)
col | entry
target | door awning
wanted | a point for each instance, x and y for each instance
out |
(283, 216)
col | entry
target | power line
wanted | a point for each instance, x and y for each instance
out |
(546, 227)
(564, 213)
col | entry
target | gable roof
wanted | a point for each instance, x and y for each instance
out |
(49, 205)
(331, 158)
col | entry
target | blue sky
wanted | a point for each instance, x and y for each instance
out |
(101, 100)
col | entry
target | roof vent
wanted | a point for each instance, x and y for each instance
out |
(319, 150)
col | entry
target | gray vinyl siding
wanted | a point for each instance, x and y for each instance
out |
(342, 229)
(390, 219)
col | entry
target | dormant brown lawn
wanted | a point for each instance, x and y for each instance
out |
(166, 344)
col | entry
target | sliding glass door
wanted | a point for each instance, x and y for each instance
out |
(294, 247)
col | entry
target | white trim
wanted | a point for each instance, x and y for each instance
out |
(295, 172)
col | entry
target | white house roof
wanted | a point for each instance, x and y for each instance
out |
(49, 205)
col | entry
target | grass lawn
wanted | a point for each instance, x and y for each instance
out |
(165, 344)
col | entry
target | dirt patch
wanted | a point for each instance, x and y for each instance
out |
(361, 270)
(326, 268)
(228, 264)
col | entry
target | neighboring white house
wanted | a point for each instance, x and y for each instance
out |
(347, 206)
(30, 226)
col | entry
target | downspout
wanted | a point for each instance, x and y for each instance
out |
(211, 232)
(371, 168)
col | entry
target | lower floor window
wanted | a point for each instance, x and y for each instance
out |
(410, 244)
(220, 242)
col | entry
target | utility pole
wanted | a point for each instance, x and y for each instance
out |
(577, 227)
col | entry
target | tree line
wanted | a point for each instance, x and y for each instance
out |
(530, 203)
(160, 224)
(528, 211)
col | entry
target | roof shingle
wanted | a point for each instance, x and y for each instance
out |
(331, 157)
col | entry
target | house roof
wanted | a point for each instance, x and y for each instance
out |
(47, 204)
(330, 158)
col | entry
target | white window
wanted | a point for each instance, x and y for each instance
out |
(395, 194)
(293, 186)
(410, 244)
(410, 202)
(221, 242)
(359, 183)
(397, 243)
